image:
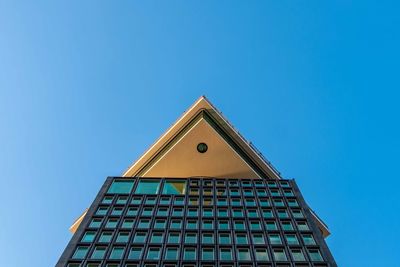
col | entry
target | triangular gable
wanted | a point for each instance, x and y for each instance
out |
(180, 157)
(228, 155)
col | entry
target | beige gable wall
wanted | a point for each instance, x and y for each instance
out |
(182, 159)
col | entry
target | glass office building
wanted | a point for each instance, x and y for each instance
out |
(198, 221)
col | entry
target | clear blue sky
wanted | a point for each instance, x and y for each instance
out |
(87, 86)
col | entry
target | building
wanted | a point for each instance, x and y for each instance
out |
(201, 196)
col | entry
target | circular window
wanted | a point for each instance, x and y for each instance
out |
(202, 147)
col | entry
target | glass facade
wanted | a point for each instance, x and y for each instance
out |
(197, 222)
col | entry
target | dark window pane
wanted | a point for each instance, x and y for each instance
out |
(80, 253)
(120, 187)
(135, 253)
(117, 253)
(148, 186)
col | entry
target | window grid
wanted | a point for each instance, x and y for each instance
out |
(243, 190)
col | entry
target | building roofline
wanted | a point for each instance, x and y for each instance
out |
(199, 105)
(202, 104)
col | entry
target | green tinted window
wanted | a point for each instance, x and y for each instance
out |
(282, 214)
(275, 239)
(139, 238)
(238, 213)
(308, 240)
(171, 254)
(136, 200)
(153, 254)
(95, 223)
(105, 237)
(261, 193)
(120, 187)
(248, 193)
(190, 238)
(122, 200)
(192, 212)
(208, 225)
(303, 226)
(297, 214)
(222, 202)
(135, 253)
(208, 238)
(252, 213)
(107, 200)
(102, 211)
(207, 212)
(279, 203)
(223, 225)
(255, 225)
(222, 213)
(160, 224)
(117, 211)
(239, 225)
(225, 254)
(189, 254)
(234, 192)
(128, 223)
(112, 223)
(88, 237)
(98, 253)
(176, 224)
(236, 202)
(297, 255)
(225, 239)
(80, 253)
(165, 201)
(244, 254)
(265, 203)
(241, 239)
(275, 193)
(173, 237)
(123, 237)
(288, 193)
(174, 187)
(279, 255)
(293, 203)
(147, 212)
(150, 201)
(292, 240)
(258, 239)
(177, 212)
(262, 254)
(271, 226)
(148, 186)
(250, 202)
(287, 226)
(207, 254)
(315, 255)
(156, 238)
(144, 224)
(179, 201)
(267, 214)
(191, 225)
(132, 212)
(284, 184)
(117, 253)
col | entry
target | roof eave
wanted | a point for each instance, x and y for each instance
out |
(201, 104)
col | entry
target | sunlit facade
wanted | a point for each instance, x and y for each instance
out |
(139, 220)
